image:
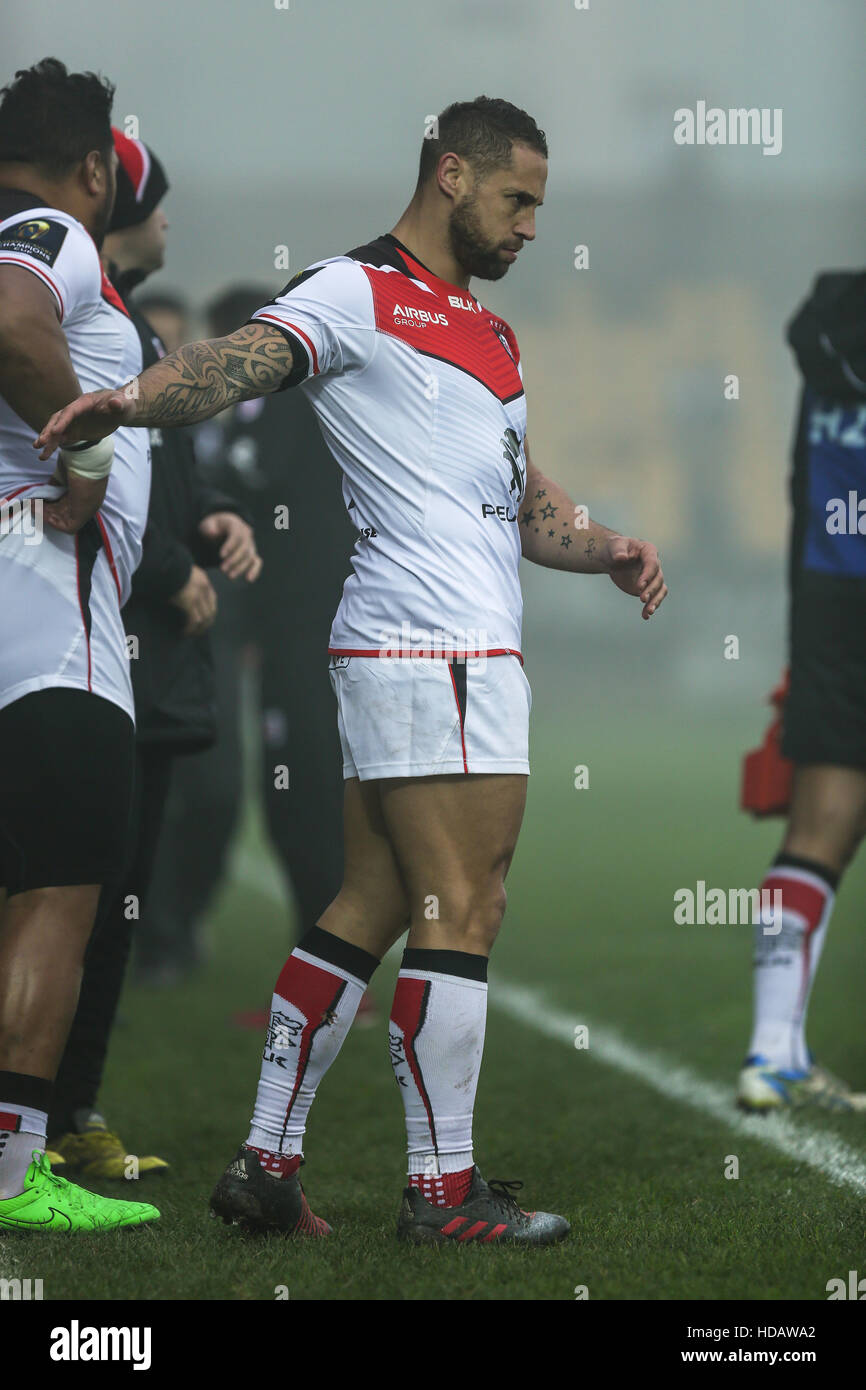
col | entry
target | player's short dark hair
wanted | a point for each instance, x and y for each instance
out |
(235, 306)
(53, 118)
(482, 132)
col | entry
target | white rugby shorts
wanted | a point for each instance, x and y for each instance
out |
(60, 622)
(418, 716)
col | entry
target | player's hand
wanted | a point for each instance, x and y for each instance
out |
(239, 558)
(91, 416)
(634, 567)
(81, 500)
(198, 600)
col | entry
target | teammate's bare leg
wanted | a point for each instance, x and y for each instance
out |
(37, 1008)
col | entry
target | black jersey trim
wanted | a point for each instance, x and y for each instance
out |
(88, 543)
(384, 250)
(297, 280)
(392, 240)
(14, 200)
(300, 357)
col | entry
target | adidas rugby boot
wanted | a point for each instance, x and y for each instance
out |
(259, 1202)
(762, 1088)
(49, 1203)
(489, 1215)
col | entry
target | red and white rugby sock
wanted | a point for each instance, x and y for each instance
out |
(23, 1127)
(785, 962)
(313, 1006)
(437, 1039)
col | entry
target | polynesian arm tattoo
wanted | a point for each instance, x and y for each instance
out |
(201, 379)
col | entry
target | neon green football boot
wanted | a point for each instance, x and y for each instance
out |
(49, 1203)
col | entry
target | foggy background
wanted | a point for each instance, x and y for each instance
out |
(301, 127)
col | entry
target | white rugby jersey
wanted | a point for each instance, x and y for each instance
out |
(104, 349)
(419, 395)
(62, 595)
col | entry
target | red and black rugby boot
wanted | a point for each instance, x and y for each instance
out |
(489, 1216)
(259, 1202)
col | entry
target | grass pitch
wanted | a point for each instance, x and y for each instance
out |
(637, 1166)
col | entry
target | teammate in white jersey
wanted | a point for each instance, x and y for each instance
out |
(69, 541)
(419, 394)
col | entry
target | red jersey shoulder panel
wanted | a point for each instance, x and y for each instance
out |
(450, 327)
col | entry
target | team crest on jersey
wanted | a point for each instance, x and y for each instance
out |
(36, 237)
(511, 454)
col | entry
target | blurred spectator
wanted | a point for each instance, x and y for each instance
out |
(270, 454)
(168, 316)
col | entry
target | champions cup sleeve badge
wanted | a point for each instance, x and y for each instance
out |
(38, 237)
(32, 231)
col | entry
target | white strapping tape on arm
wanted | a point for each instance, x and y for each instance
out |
(90, 459)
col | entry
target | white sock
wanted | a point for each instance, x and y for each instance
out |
(313, 1006)
(438, 1019)
(786, 962)
(21, 1131)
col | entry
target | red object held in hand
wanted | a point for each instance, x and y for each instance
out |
(767, 775)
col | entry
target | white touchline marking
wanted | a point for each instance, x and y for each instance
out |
(837, 1161)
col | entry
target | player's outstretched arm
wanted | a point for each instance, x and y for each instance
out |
(558, 534)
(192, 384)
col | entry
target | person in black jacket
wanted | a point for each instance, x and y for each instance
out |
(191, 527)
(268, 451)
(824, 716)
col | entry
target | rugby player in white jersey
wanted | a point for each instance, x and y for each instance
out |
(68, 544)
(419, 394)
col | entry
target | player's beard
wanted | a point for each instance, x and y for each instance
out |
(102, 217)
(473, 252)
